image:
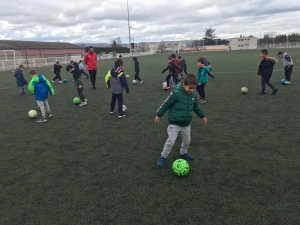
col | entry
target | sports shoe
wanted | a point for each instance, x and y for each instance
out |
(94, 88)
(187, 156)
(111, 112)
(287, 82)
(42, 120)
(49, 115)
(83, 103)
(23, 94)
(262, 93)
(202, 101)
(141, 82)
(85, 100)
(52, 81)
(161, 161)
(60, 81)
(167, 88)
(121, 115)
(274, 91)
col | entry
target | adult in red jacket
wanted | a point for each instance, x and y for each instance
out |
(90, 59)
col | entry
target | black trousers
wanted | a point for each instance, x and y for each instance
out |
(93, 74)
(288, 72)
(120, 102)
(57, 76)
(201, 90)
(137, 77)
(266, 81)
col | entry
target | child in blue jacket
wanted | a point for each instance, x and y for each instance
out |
(202, 78)
(20, 80)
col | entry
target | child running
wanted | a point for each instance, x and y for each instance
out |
(56, 71)
(177, 71)
(137, 70)
(183, 64)
(20, 80)
(172, 74)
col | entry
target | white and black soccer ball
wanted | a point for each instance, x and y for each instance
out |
(244, 90)
(134, 82)
(164, 84)
(127, 76)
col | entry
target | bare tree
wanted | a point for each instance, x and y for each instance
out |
(119, 41)
(143, 47)
(197, 44)
(114, 44)
(161, 47)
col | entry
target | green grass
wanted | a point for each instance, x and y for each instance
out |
(86, 167)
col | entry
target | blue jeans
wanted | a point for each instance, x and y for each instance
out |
(22, 90)
(120, 103)
(266, 81)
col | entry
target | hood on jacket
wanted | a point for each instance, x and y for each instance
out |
(272, 59)
(116, 71)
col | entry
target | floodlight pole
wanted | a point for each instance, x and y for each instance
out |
(129, 28)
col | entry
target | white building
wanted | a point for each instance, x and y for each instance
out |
(243, 43)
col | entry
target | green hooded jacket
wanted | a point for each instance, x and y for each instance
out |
(181, 106)
(202, 76)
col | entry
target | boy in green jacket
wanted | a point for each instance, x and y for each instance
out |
(181, 103)
(202, 78)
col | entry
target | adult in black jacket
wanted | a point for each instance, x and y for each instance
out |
(265, 70)
(137, 70)
(56, 71)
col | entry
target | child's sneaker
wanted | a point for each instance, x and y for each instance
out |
(111, 112)
(187, 156)
(262, 93)
(60, 81)
(83, 103)
(85, 100)
(121, 115)
(52, 81)
(161, 161)
(42, 120)
(274, 91)
(167, 88)
(202, 101)
(287, 82)
(141, 82)
(49, 115)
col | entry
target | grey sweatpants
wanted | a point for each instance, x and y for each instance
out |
(173, 131)
(44, 107)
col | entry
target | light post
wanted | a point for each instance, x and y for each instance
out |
(129, 28)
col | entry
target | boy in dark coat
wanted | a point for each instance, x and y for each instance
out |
(20, 80)
(265, 70)
(183, 64)
(172, 73)
(56, 71)
(137, 70)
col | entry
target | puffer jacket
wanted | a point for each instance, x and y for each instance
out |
(202, 76)
(266, 67)
(116, 80)
(20, 80)
(181, 106)
(40, 86)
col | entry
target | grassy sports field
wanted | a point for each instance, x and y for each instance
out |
(85, 166)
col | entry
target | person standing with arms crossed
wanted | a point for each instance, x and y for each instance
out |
(90, 59)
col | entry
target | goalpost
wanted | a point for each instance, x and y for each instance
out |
(8, 59)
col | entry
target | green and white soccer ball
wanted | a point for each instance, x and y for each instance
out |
(124, 108)
(244, 90)
(164, 84)
(76, 101)
(32, 114)
(127, 76)
(134, 82)
(180, 167)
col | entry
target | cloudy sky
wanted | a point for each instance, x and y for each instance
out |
(102, 20)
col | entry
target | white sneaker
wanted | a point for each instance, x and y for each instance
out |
(60, 81)
(287, 82)
(52, 81)
(141, 82)
(83, 103)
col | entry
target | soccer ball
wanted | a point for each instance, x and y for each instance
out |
(244, 90)
(65, 80)
(127, 76)
(164, 84)
(180, 167)
(283, 81)
(134, 81)
(124, 108)
(32, 114)
(76, 101)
